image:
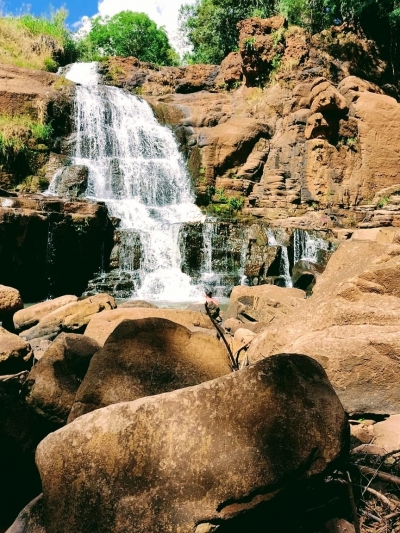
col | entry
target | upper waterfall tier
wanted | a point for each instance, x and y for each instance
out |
(136, 168)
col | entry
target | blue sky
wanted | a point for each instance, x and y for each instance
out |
(163, 12)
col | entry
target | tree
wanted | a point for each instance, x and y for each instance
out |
(129, 34)
(209, 26)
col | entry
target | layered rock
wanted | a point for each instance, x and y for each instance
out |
(52, 246)
(225, 447)
(145, 357)
(349, 325)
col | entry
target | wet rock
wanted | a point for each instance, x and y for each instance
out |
(192, 456)
(72, 317)
(131, 304)
(30, 316)
(146, 357)
(101, 326)
(15, 354)
(51, 385)
(72, 181)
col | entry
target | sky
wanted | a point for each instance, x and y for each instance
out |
(163, 12)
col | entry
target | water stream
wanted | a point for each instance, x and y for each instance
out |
(136, 168)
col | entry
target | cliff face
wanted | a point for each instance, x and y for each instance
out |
(321, 134)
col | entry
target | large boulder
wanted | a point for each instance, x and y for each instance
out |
(15, 353)
(196, 457)
(71, 318)
(102, 325)
(350, 325)
(52, 383)
(146, 357)
(30, 519)
(263, 303)
(30, 316)
(10, 302)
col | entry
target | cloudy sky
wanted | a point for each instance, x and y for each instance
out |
(163, 12)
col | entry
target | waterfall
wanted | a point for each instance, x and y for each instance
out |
(278, 239)
(136, 168)
(306, 246)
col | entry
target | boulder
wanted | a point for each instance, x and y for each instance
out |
(386, 434)
(72, 181)
(30, 316)
(10, 302)
(262, 303)
(101, 326)
(52, 383)
(131, 304)
(350, 325)
(195, 456)
(30, 519)
(72, 317)
(15, 353)
(145, 357)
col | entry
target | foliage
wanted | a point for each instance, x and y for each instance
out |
(37, 42)
(18, 133)
(128, 34)
(384, 201)
(209, 26)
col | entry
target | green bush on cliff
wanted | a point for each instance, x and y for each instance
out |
(128, 34)
(36, 42)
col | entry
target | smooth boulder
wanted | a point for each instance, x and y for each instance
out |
(146, 357)
(71, 318)
(30, 519)
(15, 353)
(195, 456)
(101, 326)
(10, 303)
(52, 383)
(30, 316)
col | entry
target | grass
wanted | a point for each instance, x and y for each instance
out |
(18, 133)
(36, 42)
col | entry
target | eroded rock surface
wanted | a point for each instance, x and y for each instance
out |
(145, 357)
(192, 456)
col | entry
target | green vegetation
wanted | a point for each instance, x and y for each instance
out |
(384, 201)
(36, 42)
(210, 26)
(19, 133)
(128, 34)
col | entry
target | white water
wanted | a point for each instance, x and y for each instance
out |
(136, 168)
(274, 239)
(306, 246)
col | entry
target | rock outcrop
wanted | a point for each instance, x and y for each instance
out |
(195, 457)
(349, 325)
(145, 357)
(52, 246)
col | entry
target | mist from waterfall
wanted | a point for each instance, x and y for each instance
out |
(135, 167)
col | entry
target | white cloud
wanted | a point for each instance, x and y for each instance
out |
(163, 12)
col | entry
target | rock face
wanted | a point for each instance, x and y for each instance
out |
(101, 326)
(195, 456)
(349, 325)
(15, 353)
(316, 135)
(52, 246)
(72, 317)
(72, 181)
(41, 97)
(146, 357)
(51, 385)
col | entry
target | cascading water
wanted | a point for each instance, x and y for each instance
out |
(276, 239)
(136, 168)
(306, 246)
